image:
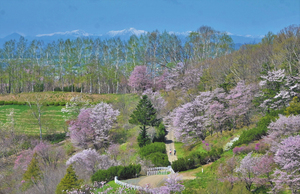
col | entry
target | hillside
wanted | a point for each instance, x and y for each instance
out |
(232, 117)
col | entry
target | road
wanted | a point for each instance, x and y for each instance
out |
(170, 145)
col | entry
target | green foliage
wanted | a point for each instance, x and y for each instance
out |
(152, 148)
(55, 138)
(196, 158)
(260, 130)
(38, 87)
(145, 115)
(2, 102)
(8, 103)
(33, 173)
(123, 172)
(69, 182)
(50, 103)
(159, 159)
(294, 108)
(143, 138)
(57, 89)
(160, 133)
(62, 103)
(56, 103)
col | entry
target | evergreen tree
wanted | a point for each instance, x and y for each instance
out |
(33, 173)
(69, 181)
(144, 115)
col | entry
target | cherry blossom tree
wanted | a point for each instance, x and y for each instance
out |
(157, 101)
(81, 130)
(140, 79)
(240, 102)
(288, 159)
(103, 116)
(91, 160)
(278, 89)
(93, 125)
(246, 171)
(190, 120)
(181, 77)
(283, 127)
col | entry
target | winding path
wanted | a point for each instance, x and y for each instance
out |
(170, 145)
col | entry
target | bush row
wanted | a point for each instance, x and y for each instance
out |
(70, 88)
(32, 103)
(259, 131)
(123, 172)
(195, 159)
(156, 152)
(152, 148)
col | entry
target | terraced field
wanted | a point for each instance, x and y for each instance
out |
(52, 119)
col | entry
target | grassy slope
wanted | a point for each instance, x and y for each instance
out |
(26, 123)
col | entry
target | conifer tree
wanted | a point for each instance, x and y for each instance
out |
(69, 182)
(33, 173)
(144, 115)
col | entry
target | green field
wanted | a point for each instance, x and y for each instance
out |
(52, 119)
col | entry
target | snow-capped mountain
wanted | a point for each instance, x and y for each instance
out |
(126, 32)
(122, 34)
(76, 33)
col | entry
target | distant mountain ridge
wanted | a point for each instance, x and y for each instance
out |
(123, 34)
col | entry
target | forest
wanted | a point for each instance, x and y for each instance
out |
(75, 114)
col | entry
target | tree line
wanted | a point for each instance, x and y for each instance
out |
(101, 66)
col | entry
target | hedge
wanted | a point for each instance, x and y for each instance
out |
(259, 131)
(123, 172)
(152, 148)
(196, 159)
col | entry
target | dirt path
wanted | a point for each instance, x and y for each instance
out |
(170, 145)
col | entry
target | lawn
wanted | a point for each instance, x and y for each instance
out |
(52, 120)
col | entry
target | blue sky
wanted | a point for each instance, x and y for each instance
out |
(242, 17)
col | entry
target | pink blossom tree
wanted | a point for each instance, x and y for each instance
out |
(103, 116)
(190, 120)
(157, 100)
(288, 159)
(93, 125)
(284, 126)
(140, 79)
(91, 160)
(81, 130)
(240, 102)
(181, 77)
(246, 171)
(278, 89)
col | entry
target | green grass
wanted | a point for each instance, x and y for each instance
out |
(52, 120)
(179, 149)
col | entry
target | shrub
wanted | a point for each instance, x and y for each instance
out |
(57, 89)
(8, 103)
(33, 172)
(15, 103)
(259, 131)
(56, 103)
(56, 137)
(152, 148)
(1, 102)
(50, 103)
(159, 159)
(21, 103)
(70, 181)
(123, 172)
(160, 133)
(179, 165)
(62, 103)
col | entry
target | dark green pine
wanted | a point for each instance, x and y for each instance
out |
(144, 115)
